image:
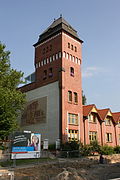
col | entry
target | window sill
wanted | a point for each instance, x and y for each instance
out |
(109, 142)
(107, 124)
(73, 124)
(92, 122)
(75, 103)
(70, 102)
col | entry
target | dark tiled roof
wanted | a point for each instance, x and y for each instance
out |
(87, 109)
(116, 116)
(58, 25)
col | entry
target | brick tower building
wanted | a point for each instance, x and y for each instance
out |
(54, 99)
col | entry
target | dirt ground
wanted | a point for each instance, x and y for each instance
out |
(71, 169)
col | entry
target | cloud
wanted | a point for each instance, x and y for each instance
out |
(91, 71)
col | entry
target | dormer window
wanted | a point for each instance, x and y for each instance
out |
(72, 71)
(108, 121)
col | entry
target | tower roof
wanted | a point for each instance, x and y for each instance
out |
(57, 26)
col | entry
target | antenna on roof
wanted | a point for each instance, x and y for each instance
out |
(61, 15)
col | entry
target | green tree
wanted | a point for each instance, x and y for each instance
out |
(11, 99)
(84, 99)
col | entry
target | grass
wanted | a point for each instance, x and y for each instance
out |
(20, 162)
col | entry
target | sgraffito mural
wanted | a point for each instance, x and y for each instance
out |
(34, 112)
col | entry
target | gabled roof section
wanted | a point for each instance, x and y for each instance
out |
(103, 113)
(57, 26)
(88, 108)
(116, 116)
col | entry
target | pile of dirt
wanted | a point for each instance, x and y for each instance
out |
(67, 169)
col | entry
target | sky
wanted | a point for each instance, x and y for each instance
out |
(98, 25)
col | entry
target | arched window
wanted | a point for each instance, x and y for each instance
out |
(69, 96)
(72, 71)
(75, 98)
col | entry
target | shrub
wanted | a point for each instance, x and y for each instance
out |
(85, 150)
(72, 145)
(117, 149)
(95, 147)
(106, 150)
(52, 147)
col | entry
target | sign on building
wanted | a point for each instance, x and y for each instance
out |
(25, 145)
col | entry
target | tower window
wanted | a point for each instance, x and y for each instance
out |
(50, 59)
(50, 72)
(67, 56)
(76, 60)
(53, 57)
(73, 58)
(72, 118)
(44, 61)
(56, 56)
(47, 60)
(47, 49)
(79, 61)
(64, 54)
(59, 54)
(41, 63)
(50, 47)
(45, 74)
(68, 45)
(72, 71)
(75, 98)
(70, 57)
(75, 49)
(69, 96)
(71, 46)
(44, 51)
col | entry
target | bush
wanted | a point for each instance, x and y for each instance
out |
(85, 150)
(117, 149)
(95, 147)
(106, 150)
(72, 145)
(52, 147)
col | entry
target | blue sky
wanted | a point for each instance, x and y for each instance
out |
(98, 25)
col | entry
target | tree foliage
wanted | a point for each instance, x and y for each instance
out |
(11, 99)
(84, 99)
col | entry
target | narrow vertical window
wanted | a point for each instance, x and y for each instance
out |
(45, 74)
(68, 45)
(72, 71)
(50, 47)
(53, 57)
(56, 56)
(50, 59)
(75, 49)
(69, 96)
(71, 46)
(73, 58)
(50, 72)
(47, 60)
(64, 54)
(75, 98)
(59, 54)
(67, 56)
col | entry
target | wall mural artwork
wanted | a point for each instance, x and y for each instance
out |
(34, 112)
